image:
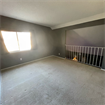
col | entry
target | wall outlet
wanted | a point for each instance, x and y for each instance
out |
(20, 59)
(59, 54)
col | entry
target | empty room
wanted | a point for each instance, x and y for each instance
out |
(52, 52)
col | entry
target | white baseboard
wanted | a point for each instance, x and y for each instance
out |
(36, 60)
(26, 63)
(59, 57)
(102, 69)
(31, 62)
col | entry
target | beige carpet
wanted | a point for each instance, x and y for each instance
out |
(53, 81)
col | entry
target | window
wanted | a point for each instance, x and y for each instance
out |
(24, 40)
(10, 41)
(17, 41)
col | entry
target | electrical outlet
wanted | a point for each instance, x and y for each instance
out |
(58, 53)
(20, 59)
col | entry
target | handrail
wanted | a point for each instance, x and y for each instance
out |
(91, 55)
(85, 46)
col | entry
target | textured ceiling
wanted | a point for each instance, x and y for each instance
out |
(51, 13)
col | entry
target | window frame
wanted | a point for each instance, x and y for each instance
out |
(17, 41)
